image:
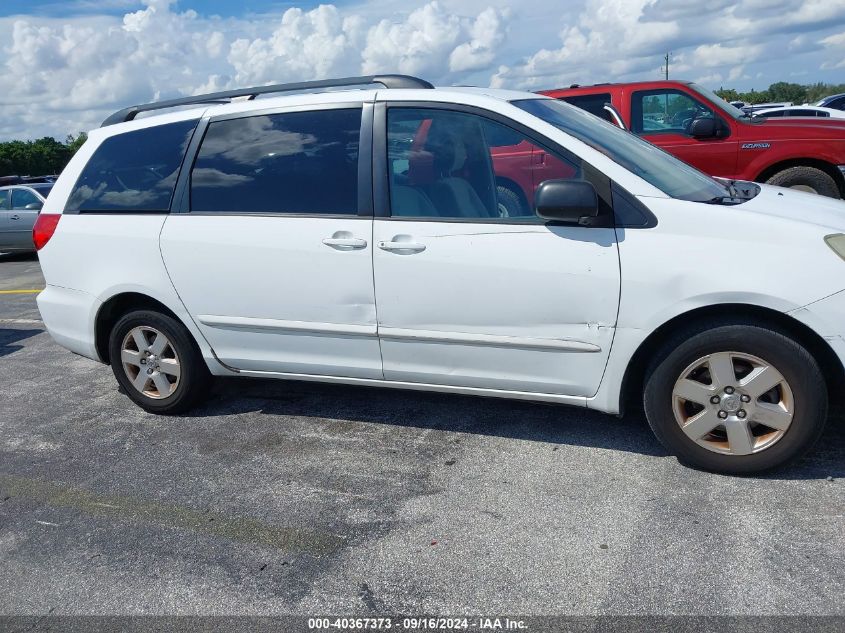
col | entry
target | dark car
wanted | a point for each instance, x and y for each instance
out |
(837, 102)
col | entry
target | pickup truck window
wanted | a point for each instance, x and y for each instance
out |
(594, 104)
(665, 111)
(672, 176)
(723, 106)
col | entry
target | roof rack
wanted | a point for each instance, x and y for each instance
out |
(388, 81)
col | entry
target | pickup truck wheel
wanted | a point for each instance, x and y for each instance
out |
(806, 179)
(735, 398)
(510, 203)
(156, 361)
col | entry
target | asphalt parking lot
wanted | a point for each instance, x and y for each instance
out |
(278, 498)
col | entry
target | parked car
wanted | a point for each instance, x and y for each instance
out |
(19, 207)
(802, 111)
(753, 108)
(358, 237)
(701, 129)
(836, 102)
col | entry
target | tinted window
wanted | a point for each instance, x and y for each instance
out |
(455, 165)
(297, 162)
(23, 197)
(768, 115)
(44, 190)
(594, 104)
(133, 172)
(5, 198)
(838, 104)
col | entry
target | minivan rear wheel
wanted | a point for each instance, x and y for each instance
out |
(735, 399)
(155, 360)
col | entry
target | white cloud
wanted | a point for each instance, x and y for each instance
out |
(737, 72)
(305, 44)
(619, 39)
(69, 73)
(487, 34)
(433, 41)
(836, 47)
(717, 55)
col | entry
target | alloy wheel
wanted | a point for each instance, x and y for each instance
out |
(150, 362)
(733, 403)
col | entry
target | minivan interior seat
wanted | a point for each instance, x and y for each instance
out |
(453, 195)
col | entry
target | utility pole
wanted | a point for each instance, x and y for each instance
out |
(665, 68)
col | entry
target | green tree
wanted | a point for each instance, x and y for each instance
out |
(37, 158)
(784, 91)
(728, 95)
(75, 142)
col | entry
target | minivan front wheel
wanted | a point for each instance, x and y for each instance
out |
(157, 363)
(736, 399)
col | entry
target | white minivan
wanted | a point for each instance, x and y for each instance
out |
(461, 240)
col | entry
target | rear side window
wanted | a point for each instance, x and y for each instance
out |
(5, 199)
(594, 104)
(294, 162)
(133, 172)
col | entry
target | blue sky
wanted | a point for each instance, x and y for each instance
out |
(72, 62)
(224, 8)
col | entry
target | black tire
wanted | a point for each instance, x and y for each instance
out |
(194, 377)
(793, 361)
(819, 181)
(511, 204)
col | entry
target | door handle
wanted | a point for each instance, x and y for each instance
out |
(345, 242)
(15, 217)
(409, 247)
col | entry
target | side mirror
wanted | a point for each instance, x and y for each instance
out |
(704, 128)
(34, 206)
(573, 201)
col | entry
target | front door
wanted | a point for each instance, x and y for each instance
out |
(472, 288)
(664, 117)
(273, 260)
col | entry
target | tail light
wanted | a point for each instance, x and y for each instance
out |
(44, 228)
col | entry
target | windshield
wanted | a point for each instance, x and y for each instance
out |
(672, 176)
(44, 190)
(719, 102)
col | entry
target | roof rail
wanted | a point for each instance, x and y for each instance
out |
(388, 81)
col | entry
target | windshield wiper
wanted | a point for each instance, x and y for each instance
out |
(726, 200)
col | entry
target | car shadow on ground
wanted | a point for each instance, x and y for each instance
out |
(513, 419)
(18, 257)
(10, 336)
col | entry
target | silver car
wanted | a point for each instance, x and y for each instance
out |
(19, 208)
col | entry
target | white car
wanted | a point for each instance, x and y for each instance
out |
(802, 111)
(471, 241)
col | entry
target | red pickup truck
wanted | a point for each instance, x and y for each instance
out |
(705, 131)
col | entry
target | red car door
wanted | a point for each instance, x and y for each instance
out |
(664, 116)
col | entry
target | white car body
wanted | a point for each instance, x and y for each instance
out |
(802, 111)
(539, 312)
